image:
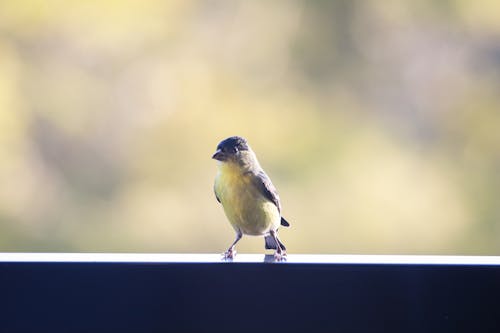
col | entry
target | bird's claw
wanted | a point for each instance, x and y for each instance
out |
(280, 256)
(229, 254)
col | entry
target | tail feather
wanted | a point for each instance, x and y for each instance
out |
(271, 243)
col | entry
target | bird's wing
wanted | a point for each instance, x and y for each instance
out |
(216, 197)
(266, 187)
(284, 222)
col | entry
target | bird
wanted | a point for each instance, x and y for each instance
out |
(249, 199)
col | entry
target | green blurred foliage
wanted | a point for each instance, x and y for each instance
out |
(378, 123)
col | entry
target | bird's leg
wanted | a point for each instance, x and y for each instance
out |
(231, 251)
(280, 253)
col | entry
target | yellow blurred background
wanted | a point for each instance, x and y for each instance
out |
(379, 123)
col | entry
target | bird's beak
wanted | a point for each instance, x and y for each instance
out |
(219, 155)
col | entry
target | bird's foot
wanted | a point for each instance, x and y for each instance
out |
(280, 256)
(229, 254)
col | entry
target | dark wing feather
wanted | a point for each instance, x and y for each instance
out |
(216, 197)
(267, 188)
(284, 222)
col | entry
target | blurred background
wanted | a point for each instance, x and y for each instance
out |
(379, 123)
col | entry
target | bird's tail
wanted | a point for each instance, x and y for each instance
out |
(271, 243)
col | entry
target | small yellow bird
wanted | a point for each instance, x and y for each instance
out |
(249, 199)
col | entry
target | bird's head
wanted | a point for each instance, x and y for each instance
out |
(235, 150)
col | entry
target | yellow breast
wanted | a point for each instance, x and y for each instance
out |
(246, 208)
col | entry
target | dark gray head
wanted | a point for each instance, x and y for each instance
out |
(230, 148)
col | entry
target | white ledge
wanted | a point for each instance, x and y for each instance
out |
(249, 258)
